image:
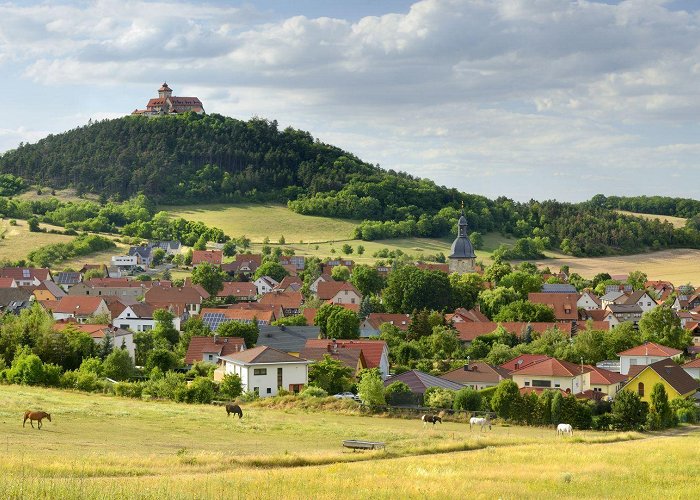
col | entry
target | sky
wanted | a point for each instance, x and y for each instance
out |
(543, 99)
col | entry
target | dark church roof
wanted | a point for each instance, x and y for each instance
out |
(462, 247)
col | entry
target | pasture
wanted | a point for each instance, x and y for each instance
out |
(676, 221)
(108, 447)
(18, 241)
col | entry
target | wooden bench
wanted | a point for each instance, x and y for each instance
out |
(354, 444)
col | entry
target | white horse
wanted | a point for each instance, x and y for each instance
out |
(483, 422)
(565, 429)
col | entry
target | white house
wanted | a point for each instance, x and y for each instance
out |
(692, 368)
(124, 261)
(643, 300)
(265, 284)
(588, 301)
(646, 354)
(139, 318)
(265, 370)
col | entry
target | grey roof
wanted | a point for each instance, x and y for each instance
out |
(419, 381)
(287, 338)
(144, 252)
(9, 295)
(462, 247)
(558, 288)
(612, 296)
(165, 245)
(67, 278)
(625, 308)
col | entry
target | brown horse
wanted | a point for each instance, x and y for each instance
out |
(235, 409)
(35, 415)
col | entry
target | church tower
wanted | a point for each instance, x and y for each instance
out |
(462, 259)
(164, 91)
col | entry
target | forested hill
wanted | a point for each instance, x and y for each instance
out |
(203, 159)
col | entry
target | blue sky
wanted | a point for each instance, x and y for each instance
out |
(527, 99)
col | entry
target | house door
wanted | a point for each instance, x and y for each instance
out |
(279, 378)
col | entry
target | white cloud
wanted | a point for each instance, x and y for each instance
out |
(449, 89)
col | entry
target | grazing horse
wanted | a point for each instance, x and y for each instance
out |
(35, 415)
(432, 419)
(483, 422)
(235, 409)
(565, 429)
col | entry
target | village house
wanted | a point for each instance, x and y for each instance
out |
(290, 283)
(209, 348)
(169, 247)
(564, 305)
(323, 278)
(118, 287)
(352, 358)
(119, 338)
(462, 315)
(13, 300)
(338, 292)
(265, 284)
(139, 318)
(375, 352)
(692, 368)
(265, 370)
(419, 382)
(646, 354)
(48, 290)
(588, 301)
(328, 266)
(26, 276)
(370, 327)
(8, 283)
(244, 264)
(522, 361)
(79, 308)
(558, 288)
(555, 374)
(215, 317)
(624, 312)
(477, 375)
(289, 301)
(433, 266)
(167, 297)
(290, 339)
(239, 290)
(213, 257)
(297, 261)
(167, 104)
(143, 254)
(68, 279)
(677, 382)
(605, 381)
(125, 263)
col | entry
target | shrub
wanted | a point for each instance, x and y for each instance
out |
(128, 389)
(505, 399)
(629, 411)
(230, 386)
(685, 410)
(604, 422)
(437, 397)
(168, 386)
(200, 390)
(26, 368)
(87, 381)
(91, 365)
(398, 393)
(467, 399)
(69, 379)
(248, 396)
(118, 365)
(313, 392)
(371, 389)
(52, 375)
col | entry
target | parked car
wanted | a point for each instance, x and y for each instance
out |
(347, 395)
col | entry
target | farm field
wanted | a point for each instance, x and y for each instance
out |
(676, 221)
(18, 241)
(107, 447)
(679, 266)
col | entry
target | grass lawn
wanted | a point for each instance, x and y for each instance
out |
(108, 447)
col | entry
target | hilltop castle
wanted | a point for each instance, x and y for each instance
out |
(167, 104)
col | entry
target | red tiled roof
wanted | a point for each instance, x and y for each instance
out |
(371, 349)
(221, 346)
(238, 289)
(563, 304)
(471, 315)
(522, 361)
(349, 357)
(595, 325)
(600, 376)
(249, 257)
(7, 282)
(692, 364)
(401, 321)
(551, 367)
(184, 295)
(18, 273)
(284, 299)
(328, 289)
(116, 283)
(433, 266)
(293, 282)
(651, 349)
(87, 328)
(78, 305)
(469, 331)
(310, 314)
(214, 257)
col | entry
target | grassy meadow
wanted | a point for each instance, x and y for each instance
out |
(676, 221)
(108, 447)
(18, 241)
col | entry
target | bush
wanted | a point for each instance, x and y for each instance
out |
(230, 386)
(505, 399)
(200, 390)
(437, 397)
(629, 411)
(168, 386)
(685, 410)
(371, 389)
(69, 379)
(248, 396)
(87, 381)
(313, 392)
(52, 375)
(467, 399)
(118, 365)
(604, 422)
(27, 368)
(398, 393)
(128, 389)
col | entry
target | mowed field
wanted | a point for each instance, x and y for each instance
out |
(107, 447)
(18, 241)
(676, 221)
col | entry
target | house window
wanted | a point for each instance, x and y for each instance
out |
(279, 377)
(640, 389)
(256, 390)
(147, 328)
(633, 361)
(352, 301)
(527, 383)
(124, 327)
(269, 390)
(557, 385)
(259, 371)
(211, 356)
(541, 383)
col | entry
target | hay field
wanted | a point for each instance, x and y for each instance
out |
(18, 241)
(676, 221)
(107, 447)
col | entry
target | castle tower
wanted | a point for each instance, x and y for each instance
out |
(164, 91)
(462, 258)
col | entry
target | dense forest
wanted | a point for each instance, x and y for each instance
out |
(207, 158)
